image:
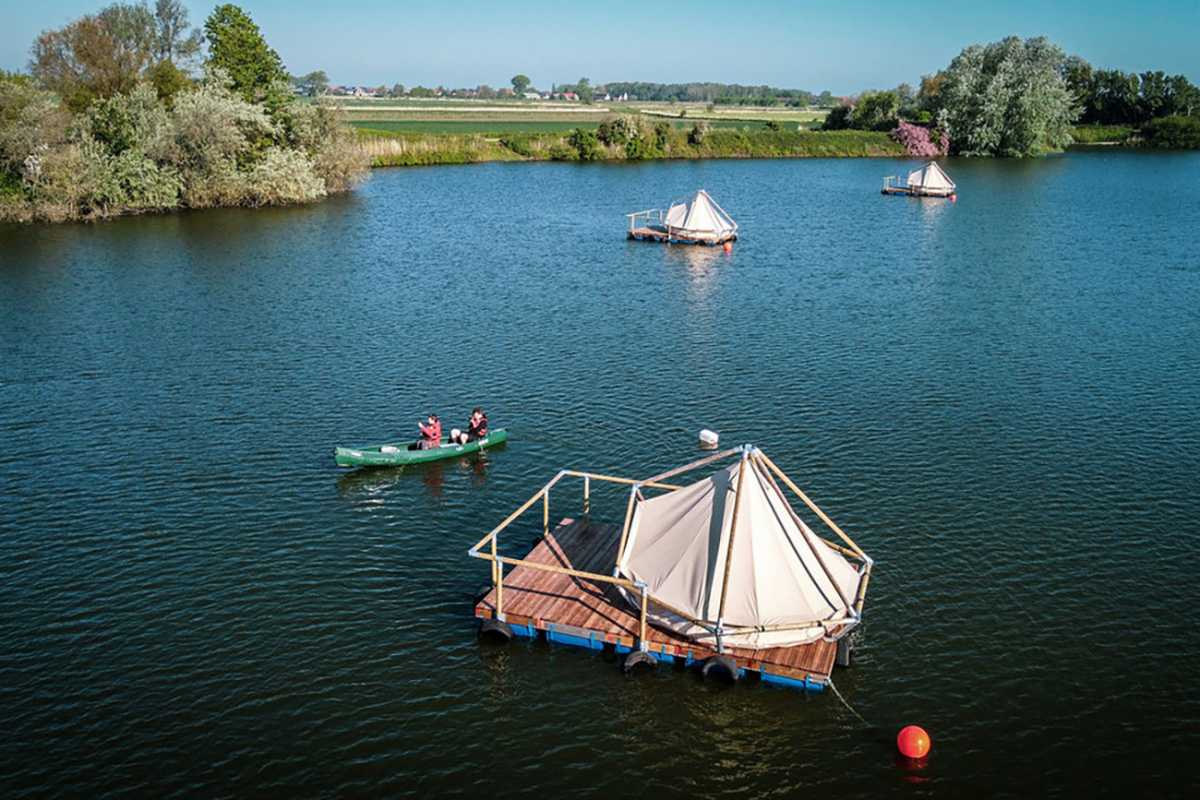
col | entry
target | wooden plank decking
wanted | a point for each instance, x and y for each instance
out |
(591, 613)
(660, 235)
(905, 190)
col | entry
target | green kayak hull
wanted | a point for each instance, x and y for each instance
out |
(398, 454)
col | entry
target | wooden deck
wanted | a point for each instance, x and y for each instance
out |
(644, 234)
(585, 613)
(911, 192)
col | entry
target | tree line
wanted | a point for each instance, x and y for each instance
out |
(1022, 97)
(121, 112)
(718, 93)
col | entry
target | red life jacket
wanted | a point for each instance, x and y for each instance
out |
(432, 432)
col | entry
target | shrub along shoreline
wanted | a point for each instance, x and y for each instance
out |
(106, 124)
(403, 149)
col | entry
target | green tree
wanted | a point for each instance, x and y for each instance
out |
(1114, 97)
(928, 95)
(314, 84)
(168, 80)
(662, 136)
(1008, 98)
(839, 118)
(1079, 75)
(586, 144)
(175, 40)
(397, 90)
(236, 46)
(618, 130)
(520, 82)
(876, 111)
(1174, 132)
(31, 119)
(584, 90)
(1185, 98)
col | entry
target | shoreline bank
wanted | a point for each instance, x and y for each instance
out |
(402, 149)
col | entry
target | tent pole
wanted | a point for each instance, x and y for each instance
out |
(625, 528)
(692, 466)
(643, 645)
(816, 550)
(498, 580)
(737, 503)
(796, 489)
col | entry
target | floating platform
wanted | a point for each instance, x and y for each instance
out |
(694, 220)
(928, 181)
(662, 234)
(914, 191)
(574, 610)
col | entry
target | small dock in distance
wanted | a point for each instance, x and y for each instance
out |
(571, 610)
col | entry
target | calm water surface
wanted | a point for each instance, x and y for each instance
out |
(998, 399)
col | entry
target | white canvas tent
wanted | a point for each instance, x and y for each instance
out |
(699, 217)
(728, 559)
(931, 179)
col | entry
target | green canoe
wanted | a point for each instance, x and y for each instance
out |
(396, 455)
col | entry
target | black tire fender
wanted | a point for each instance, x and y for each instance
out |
(722, 668)
(635, 659)
(495, 630)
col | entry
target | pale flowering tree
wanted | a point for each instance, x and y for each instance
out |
(1008, 98)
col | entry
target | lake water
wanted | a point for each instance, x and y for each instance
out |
(997, 399)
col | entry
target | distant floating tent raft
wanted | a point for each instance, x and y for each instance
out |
(928, 181)
(694, 220)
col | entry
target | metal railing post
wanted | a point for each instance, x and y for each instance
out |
(643, 645)
(498, 581)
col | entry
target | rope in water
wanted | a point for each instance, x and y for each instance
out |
(847, 705)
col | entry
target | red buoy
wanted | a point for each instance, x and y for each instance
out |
(729, 247)
(913, 742)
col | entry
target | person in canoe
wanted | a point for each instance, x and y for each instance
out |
(431, 433)
(477, 428)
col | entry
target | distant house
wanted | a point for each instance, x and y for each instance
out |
(531, 95)
(504, 91)
(569, 96)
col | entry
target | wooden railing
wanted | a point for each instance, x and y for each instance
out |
(499, 562)
(652, 216)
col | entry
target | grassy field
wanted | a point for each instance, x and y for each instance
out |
(512, 116)
(460, 126)
(508, 125)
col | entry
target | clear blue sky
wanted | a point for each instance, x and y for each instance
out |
(840, 46)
